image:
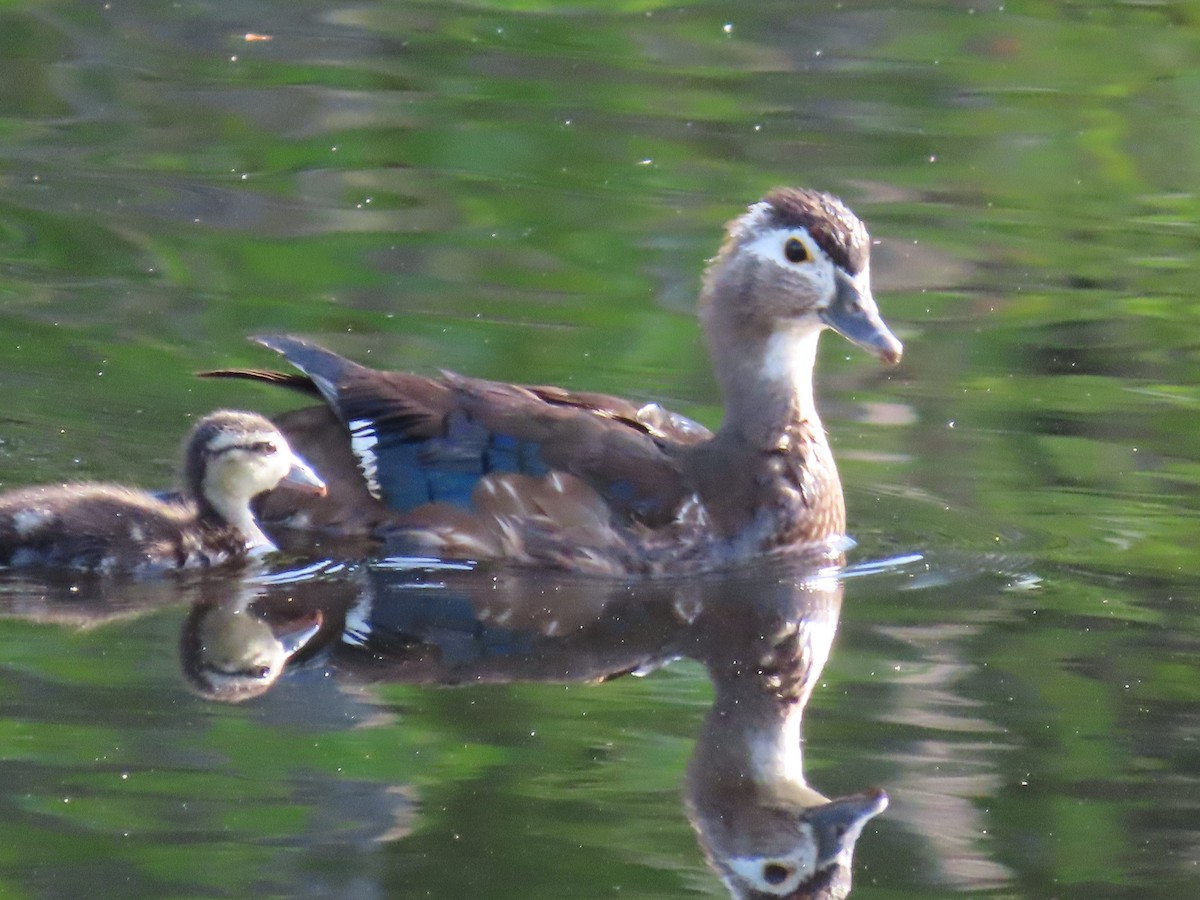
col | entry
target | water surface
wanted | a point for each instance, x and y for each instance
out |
(528, 191)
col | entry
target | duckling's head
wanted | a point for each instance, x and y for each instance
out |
(229, 652)
(232, 457)
(796, 262)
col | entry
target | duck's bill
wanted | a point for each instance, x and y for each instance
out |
(301, 477)
(838, 824)
(854, 315)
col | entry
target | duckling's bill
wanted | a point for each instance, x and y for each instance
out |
(300, 476)
(296, 634)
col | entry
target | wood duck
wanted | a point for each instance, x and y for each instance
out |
(229, 458)
(460, 467)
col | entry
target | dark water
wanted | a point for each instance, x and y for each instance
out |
(528, 191)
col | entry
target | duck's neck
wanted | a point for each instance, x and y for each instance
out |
(749, 752)
(766, 379)
(768, 478)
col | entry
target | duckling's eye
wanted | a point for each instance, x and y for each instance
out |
(775, 873)
(266, 448)
(795, 251)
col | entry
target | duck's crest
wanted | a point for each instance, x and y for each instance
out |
(837, 230)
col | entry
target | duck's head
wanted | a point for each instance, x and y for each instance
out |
(795, 846)
(232, 457)
(796, 262)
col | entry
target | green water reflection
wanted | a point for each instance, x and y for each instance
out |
(528, 191)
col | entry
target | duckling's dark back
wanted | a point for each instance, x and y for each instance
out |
(229, 457)
(106, 527)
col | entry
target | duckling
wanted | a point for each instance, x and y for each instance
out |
(229, 458)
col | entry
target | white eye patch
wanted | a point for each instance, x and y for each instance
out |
(770, 246)
(781, 875)
(816, 267)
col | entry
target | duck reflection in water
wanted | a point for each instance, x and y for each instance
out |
(763, 829)
(763, 636)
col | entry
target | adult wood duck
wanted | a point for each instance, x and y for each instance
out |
(465, 468)
(229, 458)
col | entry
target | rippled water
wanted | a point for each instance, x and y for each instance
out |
(528, 191)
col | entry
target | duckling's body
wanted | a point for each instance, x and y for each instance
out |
(101, 526)
(466, 468)
(230, 457)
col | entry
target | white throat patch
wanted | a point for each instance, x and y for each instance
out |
(791, 352)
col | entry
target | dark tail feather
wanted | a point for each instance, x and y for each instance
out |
(301, 383)
(313, 360)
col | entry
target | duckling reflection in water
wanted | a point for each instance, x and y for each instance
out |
(229, 458)
(229, 652)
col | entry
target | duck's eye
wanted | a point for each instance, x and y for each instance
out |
(775, 873)
(795, 251)
(266, 448)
